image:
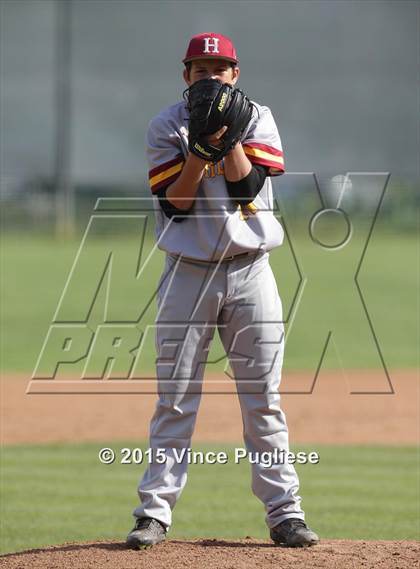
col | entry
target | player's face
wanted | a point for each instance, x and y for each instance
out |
(211, 69)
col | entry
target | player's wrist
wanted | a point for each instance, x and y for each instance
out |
(236, 164)
(236, 147)
(236, 153)
(196, 161)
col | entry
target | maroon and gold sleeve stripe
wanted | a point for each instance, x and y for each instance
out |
(165, 174)
(266, 156)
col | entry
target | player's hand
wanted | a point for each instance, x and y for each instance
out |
(214, 139)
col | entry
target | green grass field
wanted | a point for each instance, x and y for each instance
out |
(36, 269)
(58, 493)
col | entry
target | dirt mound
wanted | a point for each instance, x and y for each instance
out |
(221, 554)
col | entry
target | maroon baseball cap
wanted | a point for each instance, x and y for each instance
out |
(208, 45)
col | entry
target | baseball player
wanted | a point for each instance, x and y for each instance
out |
(215, 223)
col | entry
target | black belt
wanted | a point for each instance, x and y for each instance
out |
(231, 258)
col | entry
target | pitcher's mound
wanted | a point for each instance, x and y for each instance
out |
(220, 554)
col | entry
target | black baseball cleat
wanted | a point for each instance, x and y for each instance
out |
(145, 533)
(293, 532)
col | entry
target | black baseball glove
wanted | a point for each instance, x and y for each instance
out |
(212, 105)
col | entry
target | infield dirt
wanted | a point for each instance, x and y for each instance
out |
(329, 415)
(218, 554)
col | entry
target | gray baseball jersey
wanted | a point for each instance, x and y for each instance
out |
(237, 297)
(216, 228)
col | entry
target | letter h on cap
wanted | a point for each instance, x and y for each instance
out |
(211, 45)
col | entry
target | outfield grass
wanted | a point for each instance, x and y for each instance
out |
(57, 493)
(36, 270)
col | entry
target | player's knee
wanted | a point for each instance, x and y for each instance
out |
(262, 420)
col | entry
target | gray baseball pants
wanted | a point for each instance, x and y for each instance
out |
(240, 299)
